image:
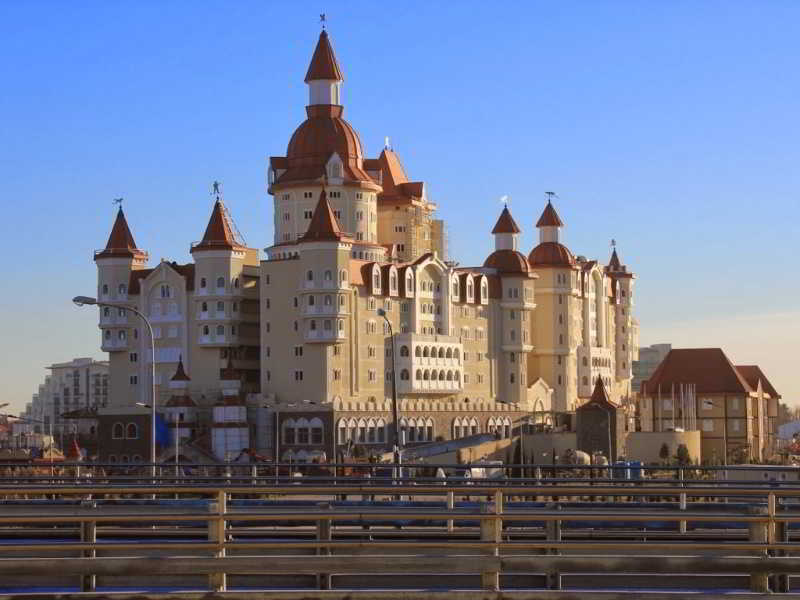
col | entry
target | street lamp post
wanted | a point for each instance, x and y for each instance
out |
(86, 300)
(398, 443)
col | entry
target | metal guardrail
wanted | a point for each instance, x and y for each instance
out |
(489, 553)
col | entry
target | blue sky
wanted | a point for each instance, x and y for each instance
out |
(671, 127)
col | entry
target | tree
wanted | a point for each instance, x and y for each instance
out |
(663, 454)
(682, 455)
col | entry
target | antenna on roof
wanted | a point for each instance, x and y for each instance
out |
(216, 192)
(322, 20)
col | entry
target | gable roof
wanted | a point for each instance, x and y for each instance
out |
(752, 374)
(707, 368)
(324, 225)
(323, 63)
(506, 223)
(549, 217)
(120, 242)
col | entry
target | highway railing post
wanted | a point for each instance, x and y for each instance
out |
(491, 530)
(759, 582)
(89, 536)
(451, 504)
(682, 499)
(216, 533)
(324, 531)
(553, 531)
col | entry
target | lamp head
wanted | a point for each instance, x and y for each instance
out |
(381, 312)
(81, 300)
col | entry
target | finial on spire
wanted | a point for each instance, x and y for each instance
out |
(505, 199)
(322, 20)
(613, 243)
(117, 201)
(550, 196)
(216, 190)
(386, 144)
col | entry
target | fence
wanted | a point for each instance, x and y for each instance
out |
(493, 543)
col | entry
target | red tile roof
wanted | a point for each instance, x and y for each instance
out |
(120, 242)
(600, 395)
(180, 374)
(707, 368)
(324, 225)
(752, 374)
(324, 64)
(218, 235)
(134, 282)
(506, 223)
(549, 217)
(551, 254)
(614, 262)
(508, 261)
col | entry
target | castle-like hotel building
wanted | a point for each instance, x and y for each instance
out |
(300, 341)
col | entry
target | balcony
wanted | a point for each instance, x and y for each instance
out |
(324, 335)
(320, 310)
(217, 340)
(414, 386)
(114, 345)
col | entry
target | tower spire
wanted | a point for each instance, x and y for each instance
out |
(120, 242)
(549, 223)
(324, 77)
(505, 231)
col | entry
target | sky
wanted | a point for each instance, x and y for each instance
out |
(671, 127)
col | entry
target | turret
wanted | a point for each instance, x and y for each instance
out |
(115, 263)
(506, 232)
(324, 77)
(230, 431)
(549, 224)
(181, 410)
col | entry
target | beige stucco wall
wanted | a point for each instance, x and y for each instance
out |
(645, 446)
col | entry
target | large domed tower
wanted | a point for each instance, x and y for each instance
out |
(325, 151)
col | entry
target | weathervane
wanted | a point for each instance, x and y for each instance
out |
(550, 196)
(505, 199)
(322, 20)
(613, 243)
(216, 189)
(117, 201)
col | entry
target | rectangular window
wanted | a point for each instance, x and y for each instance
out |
(298, 351)
(708, 425)
(372, 375)
(298, 376)
(134, 357)
(134, 379)
(707, 404)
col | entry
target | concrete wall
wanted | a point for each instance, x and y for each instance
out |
(539, 446)
(646, 445)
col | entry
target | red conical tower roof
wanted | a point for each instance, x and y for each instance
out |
(120, 242)
(549, 217)
(324, 225)
(323, 63)
(506, 223)
(218, 235)
(599, 394)
(614, 263)
(180, 374)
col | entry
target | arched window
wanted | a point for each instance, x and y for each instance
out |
(376, 280)
(404, 375)
(418, 351)
(426, 352)
(118, 431)
(236, 282)
(511, 378)
(426, 376)
(328, 275)
(288, 429)
(220, 330)
(455, 353)
(123, 289)
(202, 282)
(309, 275)
(205, 330)
(204, 307)
(393, 282)
(585, 380)
(132, 431)
(220, 307)
(341, 324)
(106, 311)
(328, 300)
(449, 376)
(585, 362)
(418, 376)
(441, 352)
(316, 427)
(105, 289)
(220, 282)
(441, 375)
(342, 276)
(404, 351)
